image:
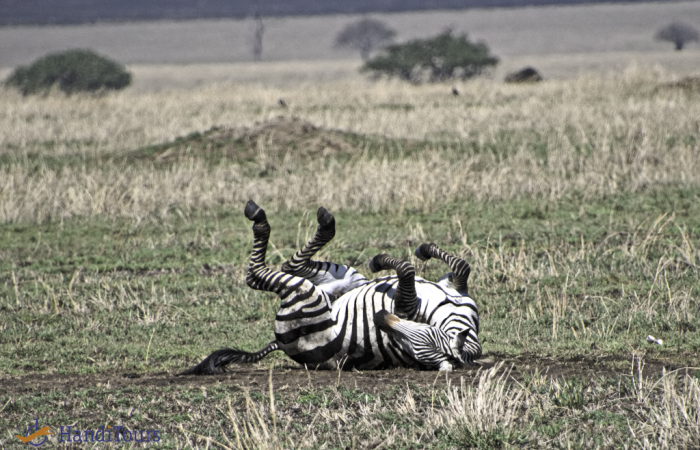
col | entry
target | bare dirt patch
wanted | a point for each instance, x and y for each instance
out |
(276, 138)
(295, 377)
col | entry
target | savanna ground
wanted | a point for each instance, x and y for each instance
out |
(123, 251)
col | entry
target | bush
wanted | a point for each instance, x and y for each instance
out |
(440, 58)
(524, 75)
(72, 71)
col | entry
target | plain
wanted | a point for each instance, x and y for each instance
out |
(576, 201)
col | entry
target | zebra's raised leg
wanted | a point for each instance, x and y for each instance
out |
(255, 277)
(406, 301)
(458, 279)
(259, 276)
(304, 324)
(334, 279)
(301, 264)
(429, 346)
(216, 362)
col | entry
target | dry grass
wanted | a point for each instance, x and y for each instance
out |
(493, 412)
(595, 135)
(286, 75)
(491, 405)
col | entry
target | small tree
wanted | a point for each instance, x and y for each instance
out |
(440, 58)
(365, 35)
(71, 71)
(679, 33)
(258, 33)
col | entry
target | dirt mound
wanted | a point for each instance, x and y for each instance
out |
(284, 135)
(276, 138)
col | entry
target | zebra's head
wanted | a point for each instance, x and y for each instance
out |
(429, 346)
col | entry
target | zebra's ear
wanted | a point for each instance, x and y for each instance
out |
(457, 340)
(404, 331)
(385, 320)
(391, 325)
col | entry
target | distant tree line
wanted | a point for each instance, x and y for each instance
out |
(437, 59)
(16, 12)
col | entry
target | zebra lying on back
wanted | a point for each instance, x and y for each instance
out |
(331, 316)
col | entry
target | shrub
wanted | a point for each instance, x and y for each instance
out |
(439, 58)
(524, 75)
(71, 71)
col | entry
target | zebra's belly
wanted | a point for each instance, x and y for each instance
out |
(346, 336)
(364, 346)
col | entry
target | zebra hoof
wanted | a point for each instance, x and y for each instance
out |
(446, 366)
(325, 219)
(422, 252)
(254, 212)
(375, 264)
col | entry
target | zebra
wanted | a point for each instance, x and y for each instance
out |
(331, 316)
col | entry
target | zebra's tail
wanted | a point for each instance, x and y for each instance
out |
(216, 362)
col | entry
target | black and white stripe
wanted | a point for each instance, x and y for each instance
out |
(331, 316)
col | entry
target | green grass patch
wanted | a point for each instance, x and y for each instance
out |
(550, 278)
